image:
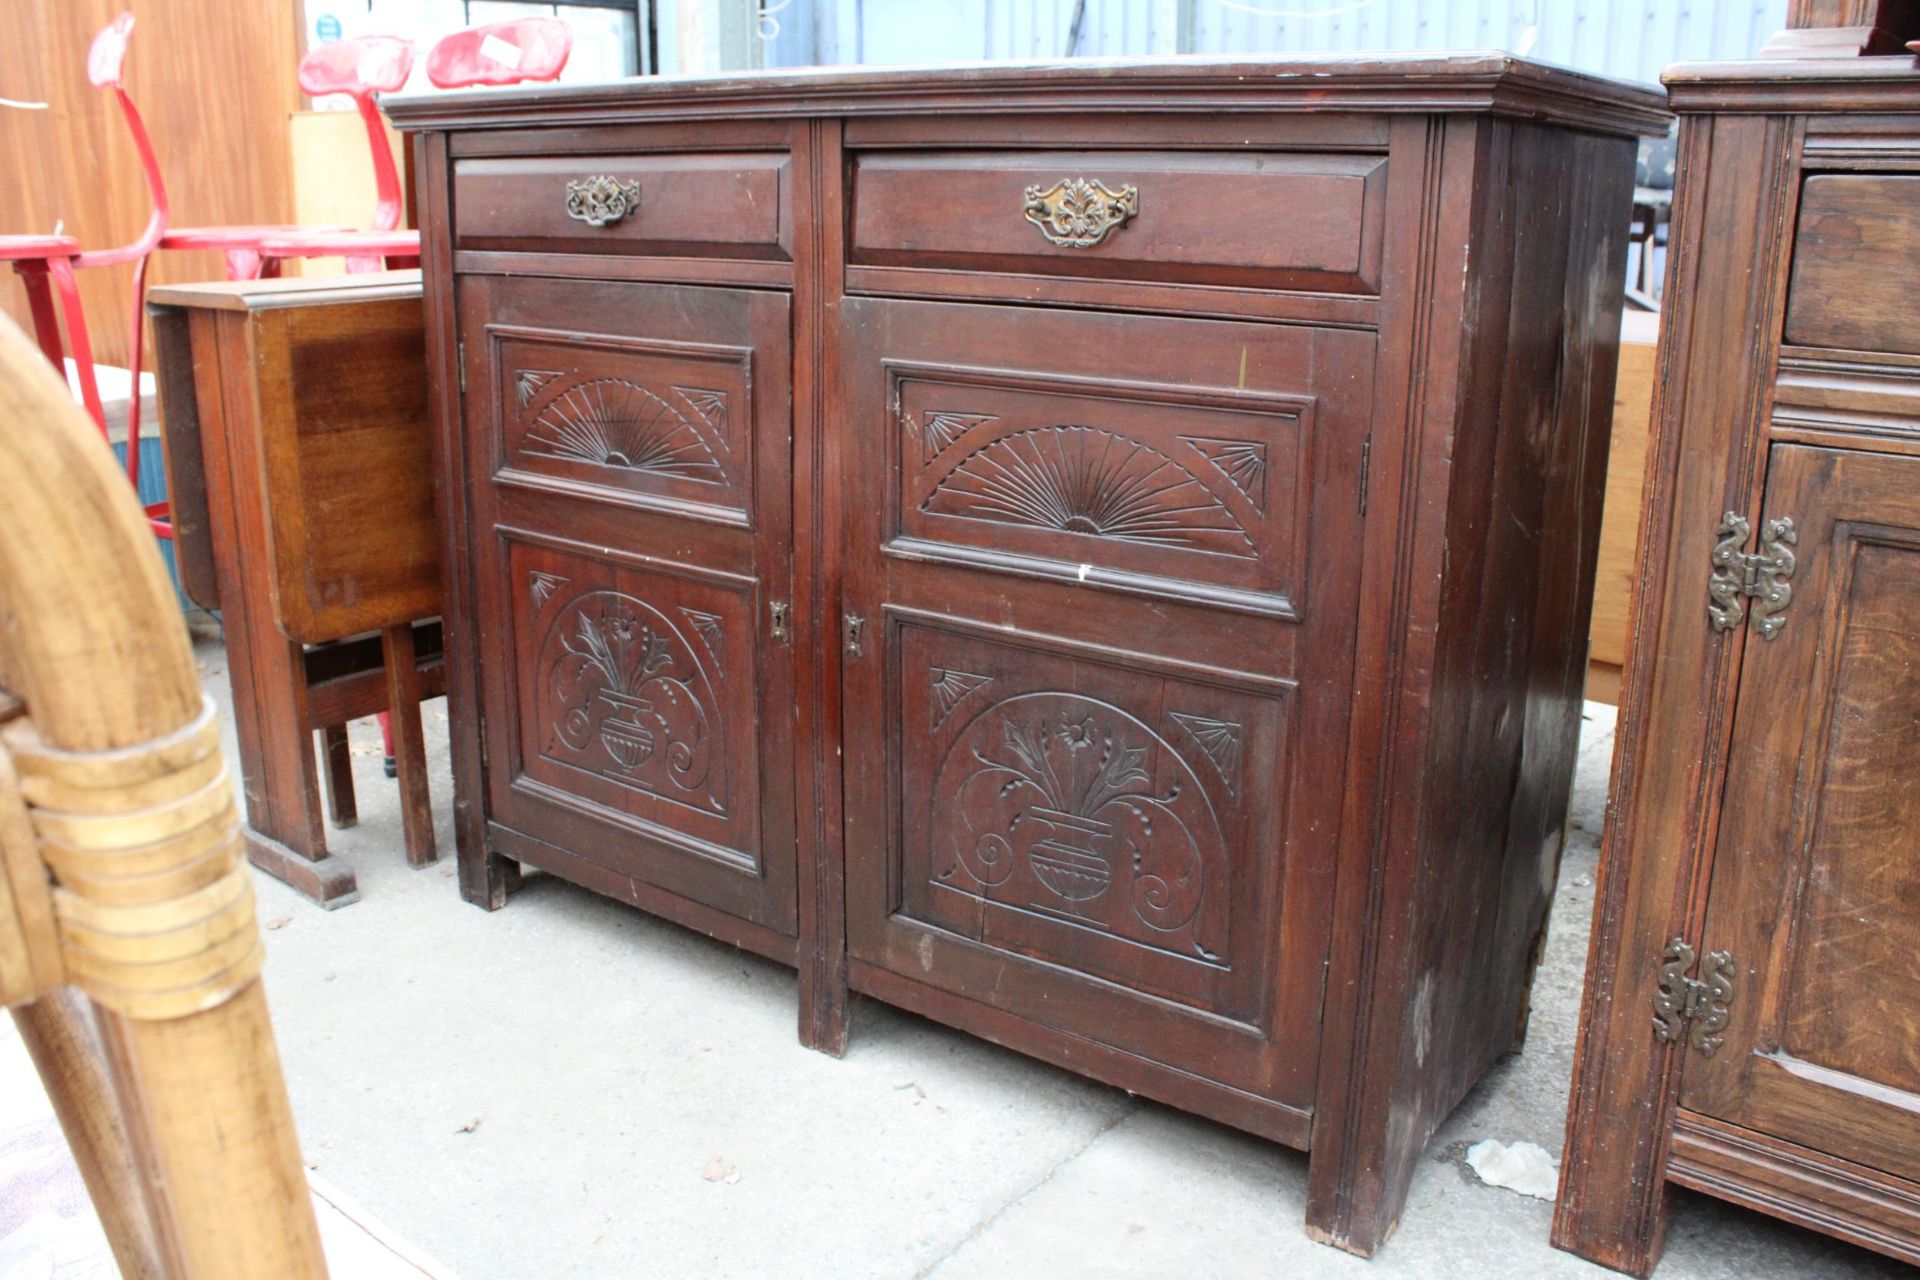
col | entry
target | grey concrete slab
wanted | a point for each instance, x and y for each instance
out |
(570, 1088)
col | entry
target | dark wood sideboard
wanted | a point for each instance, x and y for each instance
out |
(1751, 1025)
(1096, 554)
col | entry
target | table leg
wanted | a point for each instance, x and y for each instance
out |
(337, 761)
(409, 742)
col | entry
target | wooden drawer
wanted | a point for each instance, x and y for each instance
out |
(1854, 271)
(712, 204)
(1265, 220)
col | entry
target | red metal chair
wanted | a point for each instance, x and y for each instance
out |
(358, 68)
(496, 53)
(46, 265)
(513, 52)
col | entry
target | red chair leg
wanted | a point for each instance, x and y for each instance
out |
(386, 742)
(46, 325)
(244, 264)
(159, 514)
(69, 290)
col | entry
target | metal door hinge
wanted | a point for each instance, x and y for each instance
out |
(778, 610)
(1693, 1008)
(855, 624)
(1764, 576)
(482, 724)
(460, 363)
(1366, 470)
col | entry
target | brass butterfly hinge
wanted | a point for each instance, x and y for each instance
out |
(1693, 1009)
(1763, 576)
(1078, 213)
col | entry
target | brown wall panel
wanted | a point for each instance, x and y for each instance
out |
(215, 82)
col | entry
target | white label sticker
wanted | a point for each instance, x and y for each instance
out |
(504, 52)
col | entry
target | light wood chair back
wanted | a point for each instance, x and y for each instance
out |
(129, 949)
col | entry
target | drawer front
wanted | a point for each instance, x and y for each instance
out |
(1855, 273)
(715, 204)
(1284, 221)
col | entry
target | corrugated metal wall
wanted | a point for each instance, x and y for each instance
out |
(1632, 39)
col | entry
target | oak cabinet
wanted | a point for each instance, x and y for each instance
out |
(1099, 557)
(1752, 1017)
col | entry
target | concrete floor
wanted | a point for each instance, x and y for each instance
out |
(570, 1088)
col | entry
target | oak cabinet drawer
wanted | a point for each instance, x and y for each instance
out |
(1854, 272)
(1265, 220)
(716, 204)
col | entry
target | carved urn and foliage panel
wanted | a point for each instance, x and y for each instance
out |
(635, 698)
(1090, 814)
(658, 422)
(1167, 489)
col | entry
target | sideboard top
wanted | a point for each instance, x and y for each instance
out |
(1492, 82)
(1885, 83)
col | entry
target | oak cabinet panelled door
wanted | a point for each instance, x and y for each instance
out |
(631, 483)
(1818, 856)
(1751, 1025)
(1095, 557)
(1034, 779)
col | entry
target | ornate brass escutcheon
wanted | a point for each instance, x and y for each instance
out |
(601, 199)
(1078, 213)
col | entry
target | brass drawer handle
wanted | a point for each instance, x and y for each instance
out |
(1078, 213)
(601, 199)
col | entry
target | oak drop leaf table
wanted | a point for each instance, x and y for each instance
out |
(300, 471)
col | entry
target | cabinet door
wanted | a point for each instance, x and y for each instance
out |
(631, 504)
(1104, 569)
(1816, 877)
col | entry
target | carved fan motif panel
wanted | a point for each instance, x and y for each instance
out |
(1168, 490)
(636, 698)
(1089, 814)
(653, 422)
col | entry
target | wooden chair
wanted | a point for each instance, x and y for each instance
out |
(129, 950)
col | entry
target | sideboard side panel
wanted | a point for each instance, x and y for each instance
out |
(1521, 546)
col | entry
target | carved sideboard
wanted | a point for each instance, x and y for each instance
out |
(1097, 554)
(1751, 1026)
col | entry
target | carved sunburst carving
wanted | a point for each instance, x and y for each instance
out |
(949, 688)
(1220, 739)
(610, 422)
(1242, 462)
(1086, 480)
(541, 586)
(942, 429)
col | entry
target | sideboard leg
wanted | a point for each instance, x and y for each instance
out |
(486, 878)
(825, 1004)
(1354, 1197)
